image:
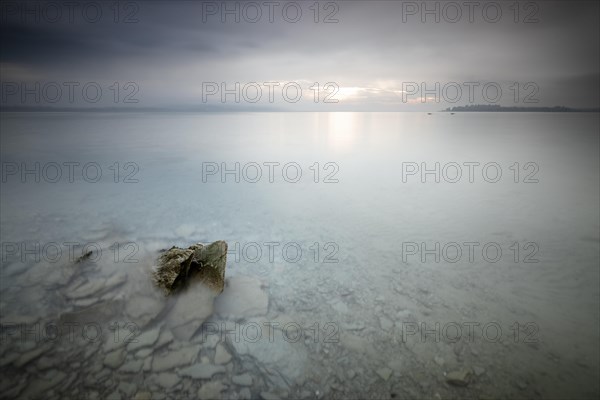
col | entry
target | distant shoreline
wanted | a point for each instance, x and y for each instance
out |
(496, 108)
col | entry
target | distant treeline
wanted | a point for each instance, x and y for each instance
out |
(498, 108)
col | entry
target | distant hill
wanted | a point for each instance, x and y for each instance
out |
(498, 108)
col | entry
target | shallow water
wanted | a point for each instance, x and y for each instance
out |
(334, 267)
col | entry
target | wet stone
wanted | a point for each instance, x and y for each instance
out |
(172, 359)
(243, 296)
(114, 358)
(210, 391)
(384, 373)
(222, 356)
(132, 366)
(146, 339)
(128, 389)
(242, 380)
(167, 380)
(178, 268)
(201, 371)
(245, 394)
(459, 377)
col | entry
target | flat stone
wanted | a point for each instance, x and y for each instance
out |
(193, 305)
(243, 297)
(478, 370)
(242, 380)
(439, 360)
(286, 358)
(201, 371)
(143, 396)
(115, 358)
(36, 387)
(459, 377)
(222, 356)
(185, 332)
(269, 396)
(210, 391)
(147, 364)
(143, 353)
(165, 337)
(146, 339)
(128, 389)
(167, 380)
(30, 356)
(114, 396)
(143, 309)
(172, 359)
(102, 312)
(114, 281)
(87, 289)
(132, 366)
(384, 373)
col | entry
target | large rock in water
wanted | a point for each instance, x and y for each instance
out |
(198, 263)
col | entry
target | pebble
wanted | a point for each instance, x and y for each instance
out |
(115, 358)
(172, 359)
(221, 355)
(210, 391)
(132, 366)
(459, 377)
(143, 396)
(245, 394)
(242, 380)
(167, 380)
(384, 373)
(128, 389)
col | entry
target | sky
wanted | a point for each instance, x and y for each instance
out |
(299, 56)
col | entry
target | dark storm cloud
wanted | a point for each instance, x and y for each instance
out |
(173, 47)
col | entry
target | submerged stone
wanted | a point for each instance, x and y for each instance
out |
(459, 378)
(199, 263)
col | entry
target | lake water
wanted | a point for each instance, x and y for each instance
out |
(366, 277)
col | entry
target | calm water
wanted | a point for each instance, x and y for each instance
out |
(368, 278)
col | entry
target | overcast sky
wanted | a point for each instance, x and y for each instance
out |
(375, 57)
